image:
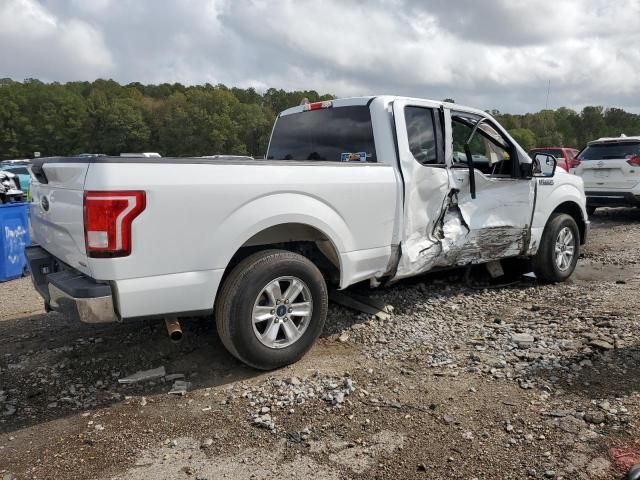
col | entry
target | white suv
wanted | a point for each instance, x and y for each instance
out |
(610, 169)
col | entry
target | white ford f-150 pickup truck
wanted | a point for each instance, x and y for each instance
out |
(369, 188)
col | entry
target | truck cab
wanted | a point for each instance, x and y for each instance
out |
(467, 191)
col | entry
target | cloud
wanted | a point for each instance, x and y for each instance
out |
(498, 54)
(36, 43)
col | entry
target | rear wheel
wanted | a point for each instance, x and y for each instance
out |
(559, 249)
(271, 308)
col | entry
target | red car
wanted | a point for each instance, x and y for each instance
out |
(566, 156)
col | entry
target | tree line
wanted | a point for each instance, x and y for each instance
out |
(106, 117)
(177, 120)
(568, 128)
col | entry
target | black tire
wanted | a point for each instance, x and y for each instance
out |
(544, 263)
(238, 295)
(591, 210)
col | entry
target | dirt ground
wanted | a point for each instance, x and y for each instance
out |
(523, 381)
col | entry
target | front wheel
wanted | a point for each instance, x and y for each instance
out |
(559, 249)
(271, 308)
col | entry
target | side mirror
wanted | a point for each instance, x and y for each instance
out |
(544, 165)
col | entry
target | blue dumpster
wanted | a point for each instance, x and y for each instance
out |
(14, 237)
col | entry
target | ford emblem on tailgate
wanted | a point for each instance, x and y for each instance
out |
(45, 204)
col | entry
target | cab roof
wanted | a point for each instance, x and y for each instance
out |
(387, 99)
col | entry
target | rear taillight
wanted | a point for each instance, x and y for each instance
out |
(634, 161)
(107, 222)
(573, 163)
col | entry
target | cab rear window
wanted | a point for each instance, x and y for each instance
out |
(340, 134)
(610, 151)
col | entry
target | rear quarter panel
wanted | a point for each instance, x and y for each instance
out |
(198, 215)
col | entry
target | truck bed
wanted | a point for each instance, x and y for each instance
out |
(200, 211)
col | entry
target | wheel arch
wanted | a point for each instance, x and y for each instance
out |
(572, 209)
(307, 240)
(286, 220)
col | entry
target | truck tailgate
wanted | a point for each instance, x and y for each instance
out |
(57, 211)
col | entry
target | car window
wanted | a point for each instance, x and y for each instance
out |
(342, 134)
(610, 151)
(421, 132)
(18, 170)
(489, 149)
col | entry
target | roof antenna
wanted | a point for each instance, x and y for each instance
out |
(548, 90)
(622, 135)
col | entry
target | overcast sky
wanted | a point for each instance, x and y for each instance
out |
(488, 54)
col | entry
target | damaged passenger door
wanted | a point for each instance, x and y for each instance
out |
(422, 150)
(495, 199)
(466, 199)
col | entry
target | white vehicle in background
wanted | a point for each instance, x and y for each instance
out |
(358, 189)
(610, 169)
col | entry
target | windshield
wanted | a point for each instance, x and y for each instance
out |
(329, 134)
(610, 151)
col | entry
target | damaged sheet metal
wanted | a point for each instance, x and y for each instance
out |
(479, 246)
(426, 191)
(143, 376)
(453, 243)
(423, 226)
(443, 226)
(362, 304)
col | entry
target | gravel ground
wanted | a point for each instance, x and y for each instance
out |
(523, 381)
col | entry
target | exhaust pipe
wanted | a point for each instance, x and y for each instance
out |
(173, 329)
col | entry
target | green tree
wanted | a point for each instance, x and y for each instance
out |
(525, 137)
(105, 117)
(116, 125)
(592, 123)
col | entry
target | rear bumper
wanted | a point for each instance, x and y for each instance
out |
(612, 199)
(68, 291)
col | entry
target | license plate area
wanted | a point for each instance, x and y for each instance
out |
(601, 173)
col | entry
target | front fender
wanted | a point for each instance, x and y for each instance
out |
(549, 198)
